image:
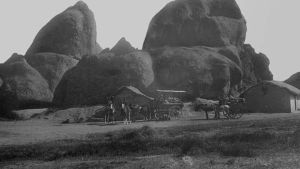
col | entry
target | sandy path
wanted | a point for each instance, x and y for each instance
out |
(33, 131)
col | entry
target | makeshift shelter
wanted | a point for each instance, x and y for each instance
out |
(132, 95)
(272, 97)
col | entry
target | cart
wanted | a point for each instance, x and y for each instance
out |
(236, 108)
(231, 108)
(168, 105)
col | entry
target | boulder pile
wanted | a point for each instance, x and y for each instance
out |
(192, 45)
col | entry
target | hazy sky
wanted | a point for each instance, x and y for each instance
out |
(273, 25)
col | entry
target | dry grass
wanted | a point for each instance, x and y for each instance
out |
(221, 145)
(148, 141)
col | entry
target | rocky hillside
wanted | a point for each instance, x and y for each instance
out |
(209, 31)
(99, 76)
(188, 23)
(72, 32)
(294, 80)
(255, 66)
(192, 45)
(30, 88)
(57, 47)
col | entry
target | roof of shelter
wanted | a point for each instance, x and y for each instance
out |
(171, 91)
(291, 89)
(134, 90)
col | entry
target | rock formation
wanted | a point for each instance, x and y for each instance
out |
(1, 82)
(294, 80)
(51, 66)
(204, 32)
(72, 32)
(97, 77)
(199, 70)
(30, 88)
(192, 45)
(187, 23)
(7, 100)
(255, 66)
(122, 47)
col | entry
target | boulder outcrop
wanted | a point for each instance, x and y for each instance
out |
(192, 45)
(255, 66)
(1, 82)
(72, 32)
(97, 77)
(30, 88)
(51, 66)
(186, 23)
(208, 28)
(200, 71)
(122, 47)
(294, 80)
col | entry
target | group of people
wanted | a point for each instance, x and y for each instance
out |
(126, 110)
(223, 106)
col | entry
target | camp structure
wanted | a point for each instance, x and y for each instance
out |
(272, 97)
(132, 95)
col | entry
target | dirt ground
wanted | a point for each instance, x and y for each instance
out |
(274, 161)
(34, 131)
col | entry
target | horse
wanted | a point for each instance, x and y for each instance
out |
(145, 112)
(109, 113)
(207, 106)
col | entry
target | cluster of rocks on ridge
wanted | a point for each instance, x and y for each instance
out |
(99, 76)
(72, 32)
(294, 80)
(208, 38)
(56, 49)
(192, 45)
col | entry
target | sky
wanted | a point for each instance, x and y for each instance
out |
(273, 26)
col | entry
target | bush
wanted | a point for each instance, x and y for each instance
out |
(257, 136)
(237, 150)
(190, 143)
(144, 141)
(133, 140)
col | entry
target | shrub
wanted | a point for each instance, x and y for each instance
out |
(237, 150)
(257, 136)
(190, 143)
(133, 140)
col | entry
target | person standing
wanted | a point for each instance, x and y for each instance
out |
(123, 112)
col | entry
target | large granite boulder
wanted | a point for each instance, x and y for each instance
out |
(231, 52)
(294, 80)
(122, 47)
(7, 100)
(255, 66)
(96, 77)
(72, 32)
(186, 23)
(1, 82)
(30, 88)
(51, 66)
(201, 71)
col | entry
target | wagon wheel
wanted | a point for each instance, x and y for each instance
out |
(234, 114)
(165, 115)
(155, 115)
(174, 111)
(225, 112)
